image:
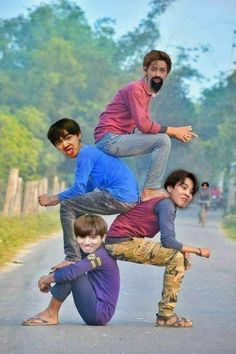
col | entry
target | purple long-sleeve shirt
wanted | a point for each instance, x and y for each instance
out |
(129, 109)
(103, 274)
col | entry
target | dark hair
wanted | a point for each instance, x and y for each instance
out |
(205, 184)
(157, 55)
(88, 225)
(60, 128)
(178, 176)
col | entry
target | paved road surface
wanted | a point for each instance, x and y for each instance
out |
(207, 296)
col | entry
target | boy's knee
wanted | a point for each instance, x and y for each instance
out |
(179, 260)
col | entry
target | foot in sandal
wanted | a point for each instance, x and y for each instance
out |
(41, 319)
(173, 321)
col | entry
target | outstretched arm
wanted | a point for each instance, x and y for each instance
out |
(46, 200)
(199, 251)
(165, 211)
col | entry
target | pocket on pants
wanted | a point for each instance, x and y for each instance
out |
(143, 251)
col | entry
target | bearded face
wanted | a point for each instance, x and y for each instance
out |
(156, 83)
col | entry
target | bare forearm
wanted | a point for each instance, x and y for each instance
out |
(46, 200)
(199, 251)
(184, 134)
(171, 131)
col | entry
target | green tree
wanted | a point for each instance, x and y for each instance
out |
(19, 148)
(217, 123)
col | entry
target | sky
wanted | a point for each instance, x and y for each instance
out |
(189, 23)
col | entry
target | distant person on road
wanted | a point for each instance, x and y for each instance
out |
(216, 198)
(204, 201)
(93, 281)
(126, 129)
(205, 195)
(103, 183)
(127, 240)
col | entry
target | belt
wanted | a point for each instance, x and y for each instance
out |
(110, 240)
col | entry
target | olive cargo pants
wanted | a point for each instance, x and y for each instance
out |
(145, 251)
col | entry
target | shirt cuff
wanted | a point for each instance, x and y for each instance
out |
(163, 129)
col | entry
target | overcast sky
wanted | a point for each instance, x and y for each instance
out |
(187, 23)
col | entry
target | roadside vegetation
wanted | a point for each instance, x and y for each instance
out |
(19, 231)
(229, 226)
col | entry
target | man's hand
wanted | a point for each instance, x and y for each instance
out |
(46, 200)
(183, 134)
(62, 264)
(44, 282)
(204, 252)
(187, 263)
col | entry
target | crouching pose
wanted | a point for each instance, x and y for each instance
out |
(94, 281)
(127, 240)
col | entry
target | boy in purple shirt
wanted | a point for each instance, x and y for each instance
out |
(94, 281)
(128, 240)
(125, 127)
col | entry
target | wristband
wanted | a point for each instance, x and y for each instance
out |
(200, 252)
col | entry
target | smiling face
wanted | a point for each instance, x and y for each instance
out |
(90, 243)
(69, 144)
(156, 74)
(182, 193)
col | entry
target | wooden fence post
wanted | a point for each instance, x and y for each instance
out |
(13, 200)
(30, 204)
(56, 185)
(42, 189)
(16, 206)
(11, 191)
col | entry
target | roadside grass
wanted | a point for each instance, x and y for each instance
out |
(229, 226)
(16, 232)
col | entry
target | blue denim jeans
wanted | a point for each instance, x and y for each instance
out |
(96, 202)
(139, 144)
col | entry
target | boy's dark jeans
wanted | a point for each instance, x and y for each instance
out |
(96, 202)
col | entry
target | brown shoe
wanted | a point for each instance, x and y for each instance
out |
(173, 321)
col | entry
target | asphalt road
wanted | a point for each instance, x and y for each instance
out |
(207, 296)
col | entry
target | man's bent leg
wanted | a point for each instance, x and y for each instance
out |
(173, 277)
(96, 202)
(144, 251)
(139, 144)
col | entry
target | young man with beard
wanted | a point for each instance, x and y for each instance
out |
(103, 184)
(128, 240)
(125, 128)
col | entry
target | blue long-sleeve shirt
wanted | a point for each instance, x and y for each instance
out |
(96, 169)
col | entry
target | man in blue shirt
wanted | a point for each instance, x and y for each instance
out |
(103, 184)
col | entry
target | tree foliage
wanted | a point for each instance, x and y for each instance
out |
(217, 123)
(19, 148)
(53, 64)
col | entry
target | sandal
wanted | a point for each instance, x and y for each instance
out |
(37, 321)
(173, 321)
